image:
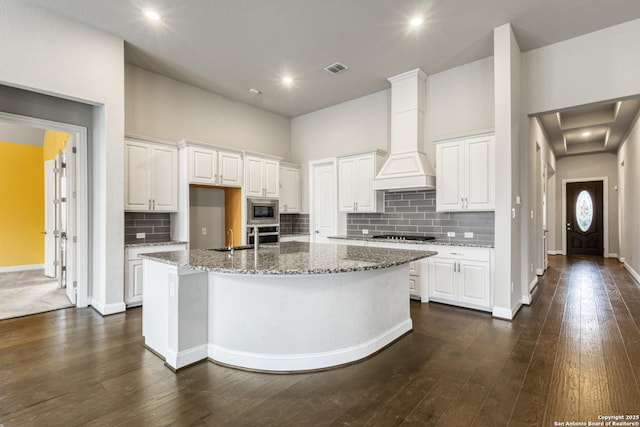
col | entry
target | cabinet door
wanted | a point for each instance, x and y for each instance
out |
(450, 176)
(253, 181)
(164, 178)
(479, 165)
(133, 293)
(346, 182)
(270, 175)
(204, 166)
(289, 190)
(473, 283)
(230, 169)
(363, 184)
(442, 278)
(137, 192)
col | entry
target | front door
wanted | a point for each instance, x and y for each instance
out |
(584, 218)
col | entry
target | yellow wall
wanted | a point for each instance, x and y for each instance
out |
(21, 204)
(54, 141)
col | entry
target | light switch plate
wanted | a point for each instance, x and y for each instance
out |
(451, 234)
(365, 231)
(141, 235)
(204, 231)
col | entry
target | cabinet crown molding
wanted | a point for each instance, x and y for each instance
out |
(377, 152)
(465, 135)
(189, 143)
(140, 138)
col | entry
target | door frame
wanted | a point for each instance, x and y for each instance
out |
(82, 201)
(605, 211)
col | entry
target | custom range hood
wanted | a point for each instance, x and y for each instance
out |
(407, 167)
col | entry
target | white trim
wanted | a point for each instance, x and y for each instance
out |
(107, 309)
(632, 272)
(552, 252)
(533, 283)
(622, 259)
(502, 313)
(612, 255)
(82, 204)
(605, 210)
(26, 267)
(310, 361)
(186, 357)
(539, 272)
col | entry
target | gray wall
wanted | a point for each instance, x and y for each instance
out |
(206, 210)
(628, 163)
(163, 108)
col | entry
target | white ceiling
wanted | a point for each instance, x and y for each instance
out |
(590, 129)
(230, 46)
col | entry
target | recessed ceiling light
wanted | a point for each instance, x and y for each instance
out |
(586, 134)
(152, 14)
(416, 21)
(287, 80)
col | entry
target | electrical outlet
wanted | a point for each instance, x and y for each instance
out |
(365, 231)
(141, 235)
(531, 214)
(204, 231)
(468, 234)
(451, 234)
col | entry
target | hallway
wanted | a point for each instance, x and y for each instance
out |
(571, 356)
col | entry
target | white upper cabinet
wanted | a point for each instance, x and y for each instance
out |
(289, 188)
(151, 176)
(465, 174)
(262, 177)
(355, 183)
(213, 166)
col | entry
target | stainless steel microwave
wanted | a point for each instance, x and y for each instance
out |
(263, 211)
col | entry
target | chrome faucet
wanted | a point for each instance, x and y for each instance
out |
(230, 244)
(256, 237)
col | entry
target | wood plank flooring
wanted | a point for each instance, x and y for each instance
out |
(572, 355)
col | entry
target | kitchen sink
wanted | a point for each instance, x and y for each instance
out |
(235, 248)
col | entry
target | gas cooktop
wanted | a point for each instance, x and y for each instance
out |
(400, 237)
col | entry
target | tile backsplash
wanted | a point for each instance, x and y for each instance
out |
(414, 212)
(155, 225)
(294, 224)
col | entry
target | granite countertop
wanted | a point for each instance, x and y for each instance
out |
(170, 242)
(441, 242)
(291, 258)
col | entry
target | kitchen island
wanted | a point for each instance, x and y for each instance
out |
(287, 308)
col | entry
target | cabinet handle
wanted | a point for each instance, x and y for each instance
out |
(221, 179)
(215, 178)
(149, 204)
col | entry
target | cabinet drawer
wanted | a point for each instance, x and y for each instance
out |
(134, 253)
(462, 252)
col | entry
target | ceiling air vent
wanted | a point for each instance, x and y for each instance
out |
(336, 68)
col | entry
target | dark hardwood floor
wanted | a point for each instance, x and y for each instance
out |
(573, 355)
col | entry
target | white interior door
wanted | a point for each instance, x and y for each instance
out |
(323, 200)
(69, 232)
(49, 219)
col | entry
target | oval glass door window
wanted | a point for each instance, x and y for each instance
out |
(584, 210)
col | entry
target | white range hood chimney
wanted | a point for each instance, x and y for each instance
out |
(407, 167)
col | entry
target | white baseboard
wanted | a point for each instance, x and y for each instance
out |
(621, 259)
(107, 309)
(13, 268)
(612, 255)
(632, 272)
(533, 283)
(310, 361)
(552, 252)
(539, 272)
(186, 357)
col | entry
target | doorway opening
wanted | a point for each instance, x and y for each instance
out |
(44, 248)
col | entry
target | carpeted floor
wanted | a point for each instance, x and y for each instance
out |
(29, 292)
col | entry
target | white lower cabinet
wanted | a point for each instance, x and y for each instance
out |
(133, 270)
(461, 276)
